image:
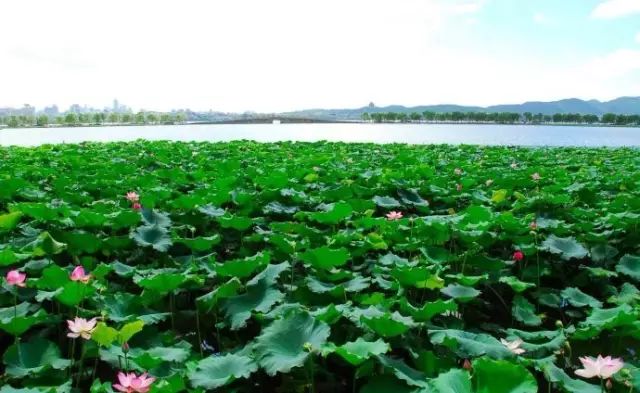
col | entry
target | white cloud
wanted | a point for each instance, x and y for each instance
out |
(609, 9)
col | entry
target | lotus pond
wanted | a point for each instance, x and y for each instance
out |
(324, 267)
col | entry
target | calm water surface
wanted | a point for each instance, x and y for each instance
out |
(377, 133)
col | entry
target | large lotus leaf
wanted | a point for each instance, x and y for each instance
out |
(259, 297)
(30, 358)
(630, 266)
(429, 309)
(460, 292)
(201, 244)
(154, 218)
(386, 202)
(411, 197)
(129, 330)
(162, 282)
(577, 298)
(605, 319)
(216, 371)
(402, 371)
(566, 383)
(10, 220)
(523, 311)
(104, 335)
(470, 345)
(212, 211)
(74, 292)
(239, 223)
(16, 320)
(357, 352)
(325, 257)
(333, 214)
(153, 236)
(44, 244)
(418, 276)
(287, 342)
(628, 294)
(515, 284)
(270, 274)
(242, 268)
(567, 248)
(603, 252)
(9, 257)
(124, 307)
(501, 376)
(453, 381)
(223, 291)
(388, 324)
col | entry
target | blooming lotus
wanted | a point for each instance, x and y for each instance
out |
(394, 216)
(133, 197)
(16, 278)
(132, 383)
(136, 206)
(513, 346)
(518, 256)
(533, 225)
(78, 274)
(80, 327)
(536, 176)
(601, 367)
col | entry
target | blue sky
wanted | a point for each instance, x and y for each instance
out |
(290, 54)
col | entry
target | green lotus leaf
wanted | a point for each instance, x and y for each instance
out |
(129, 330)
(201, 244)
(153, 236)
(287, 342)
(162, 282)
(429, 309)
(501, 376)
(74, 292)
(17, 320)
(223, 291)
(460, 292)
(153, 218)
(216, 371)
(32, 357)
(567, 248)
(104, 335)
(470, 345)
(239, 223)
(605, 319)
(523, 311)
(242, 268)
(567, 384)
(385, 384)
(333, 214)
(515, 284)
(357, 352)
(629, 265)
(410, 196)
(388, 324)
(325, 257)
(10, 220)
(386, 202)
(259, 297)
(402, 371)
(212, 211)
(43, 245)
(577, 298)
(453, 381)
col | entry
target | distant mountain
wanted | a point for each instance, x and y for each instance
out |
(619, 106)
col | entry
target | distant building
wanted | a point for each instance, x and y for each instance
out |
(51, 111)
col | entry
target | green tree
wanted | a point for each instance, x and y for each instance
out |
(71, 119)
(415, 116)
(609, 118)
(13, 122)
(152, 118)
(127, 117)
(140, 118)
(113, 117)
(42, 120)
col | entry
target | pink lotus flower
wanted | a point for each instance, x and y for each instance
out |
(513, 346)
(457, 171)
(131, 383)
(600, 367)
(467, 365)
(80, 327)
(536, 176)
(133, 197)
(136, 206)
(78, 274)
(518, 256)
(14, 277)
(394, 216)
(533, 225)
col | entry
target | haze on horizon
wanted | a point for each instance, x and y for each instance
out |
(290, 54)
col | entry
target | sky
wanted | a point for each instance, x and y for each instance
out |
(279, 55)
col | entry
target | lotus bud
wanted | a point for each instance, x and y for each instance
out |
(125, 347)
(609, 384)
(467, 365)
(559, 324)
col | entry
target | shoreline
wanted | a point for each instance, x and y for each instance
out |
(315, 121)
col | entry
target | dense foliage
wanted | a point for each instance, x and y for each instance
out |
(281, 268)
(503, 118)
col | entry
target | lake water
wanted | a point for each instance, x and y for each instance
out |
(377, 133)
